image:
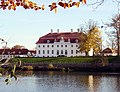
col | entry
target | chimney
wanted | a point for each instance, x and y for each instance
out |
(71, 30)
(51, 30)
(57, 30)
(78, 30)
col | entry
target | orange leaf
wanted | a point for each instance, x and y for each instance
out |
(77, 4)
(55, 10)
(65, 5)
(74, 3)
(53, 6)
(4, 7)
(43, 7)
(84, 1)
(17, 4)
(9, 7)
(25, 1)
(6, 3)
(61, 4)
(69, 5)
(2, 3)
(25, 6)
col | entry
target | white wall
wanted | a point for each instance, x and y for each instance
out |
(55, 48)
(6, 56)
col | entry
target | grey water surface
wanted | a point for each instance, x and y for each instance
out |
(62, 82)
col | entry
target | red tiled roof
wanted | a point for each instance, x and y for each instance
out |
(72, 36)
(107, 50)
(32, 51)
(14, 51)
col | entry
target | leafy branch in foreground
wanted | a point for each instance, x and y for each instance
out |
(11, 67)
(26, 4)
(8, 65)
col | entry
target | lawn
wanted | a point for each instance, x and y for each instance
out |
(59, 60)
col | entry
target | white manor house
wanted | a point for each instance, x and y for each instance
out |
(59, 44)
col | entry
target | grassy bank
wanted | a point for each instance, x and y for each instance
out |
(60, 60)
(69, 60)
(87, 64)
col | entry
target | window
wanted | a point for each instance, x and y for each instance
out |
(47, 45)
(52, 51)
(65, 45)
(65, 52)
(39, 51)
(47, 51)
(61, 51)
(39, 46)
(57, 52)
(76, 45)
(61, 45)
(71, 45)
(71, 51)
(43, 51)
(43, 45)
(52, 45)
(57, 45)
(76, 51)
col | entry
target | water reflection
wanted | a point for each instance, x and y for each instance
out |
(63, 82)
(90, 82)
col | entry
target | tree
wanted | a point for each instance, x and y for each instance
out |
(91, 38)
(82, 46)
(115, 23)
(94, 40)
(18, 47)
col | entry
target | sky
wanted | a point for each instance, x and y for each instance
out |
(25, 27)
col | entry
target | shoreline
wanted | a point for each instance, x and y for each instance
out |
(71, 67)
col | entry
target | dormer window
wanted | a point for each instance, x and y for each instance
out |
(76, 41)
(8, 53)
(48, 41)
(19, 52)
(68, 40)
(62, 39)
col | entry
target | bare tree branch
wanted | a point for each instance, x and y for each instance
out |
(97, 3)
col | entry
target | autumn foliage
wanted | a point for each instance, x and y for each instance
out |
(12, 4)
(64, 4)
(26, 4)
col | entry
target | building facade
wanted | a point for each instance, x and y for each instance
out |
(59, 44)
(11, 53)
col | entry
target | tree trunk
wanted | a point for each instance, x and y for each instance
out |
(86, 53)
(118, 49)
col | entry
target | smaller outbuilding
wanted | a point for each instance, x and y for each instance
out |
(107, 52)
(10, 53)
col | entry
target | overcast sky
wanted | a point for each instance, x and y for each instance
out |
(24, 27)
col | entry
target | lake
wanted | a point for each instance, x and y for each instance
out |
(62, 82)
